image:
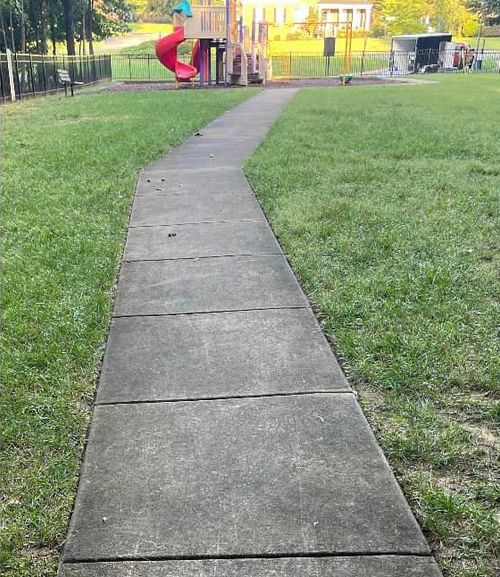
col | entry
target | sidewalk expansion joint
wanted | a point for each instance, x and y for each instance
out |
(256, 556)
(297, 307)
(204, 257)
(225, 398)
(254, 220)
(233, 167)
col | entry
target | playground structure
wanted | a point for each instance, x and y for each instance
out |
(218, 29)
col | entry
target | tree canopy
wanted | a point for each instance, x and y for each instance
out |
(456, 16)
(39, 25)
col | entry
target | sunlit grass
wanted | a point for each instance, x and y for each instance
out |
(69, 167)
(386, 201)
(315, 45)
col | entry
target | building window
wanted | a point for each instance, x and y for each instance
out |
(279, 15)
(258, 14)
(362, 19)
(330, 16)
(349, 15)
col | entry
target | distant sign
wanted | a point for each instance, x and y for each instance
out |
(329, 47)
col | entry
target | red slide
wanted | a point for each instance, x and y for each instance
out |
(166, 52)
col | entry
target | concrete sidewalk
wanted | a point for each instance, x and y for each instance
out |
(225, 439)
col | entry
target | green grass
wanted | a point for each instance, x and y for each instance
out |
(69, 172)
(148, 47)
(150, 27)
(386, 201)
(315, 66)
(358, 44)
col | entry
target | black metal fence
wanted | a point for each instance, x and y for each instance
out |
(34, 74)
(146, 68)
(314, 65)
(141, 68)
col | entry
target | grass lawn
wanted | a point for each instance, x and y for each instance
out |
(315, 45)
(386, 201)
(69, 171)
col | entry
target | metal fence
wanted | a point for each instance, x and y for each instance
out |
(146, 68)
(35, 74)
(314, 65)
(141, 68)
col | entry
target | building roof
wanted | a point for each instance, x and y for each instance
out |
(344, 2)
(416, 36)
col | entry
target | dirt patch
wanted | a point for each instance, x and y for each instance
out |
(357, 81)
(36, 553)
(293, 83)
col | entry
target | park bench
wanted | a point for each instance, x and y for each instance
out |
(65, 80)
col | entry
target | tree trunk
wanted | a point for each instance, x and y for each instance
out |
(68, 24)
(4, 34)
(53, 36)
(23, 30)
(12, 39)
(43, 27)
(83, 35)
(90, 17)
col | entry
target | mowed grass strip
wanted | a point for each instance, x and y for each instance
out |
(69, 169)
(386, 201)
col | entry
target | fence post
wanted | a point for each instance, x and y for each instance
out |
(32, 73)
(19, 85)
(10, 71)
(290, 65)
(130, 67)
(2, 82)
(44, 70)
(362, 63)
(149, 69)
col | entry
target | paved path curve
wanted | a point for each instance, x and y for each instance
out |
(225, 439)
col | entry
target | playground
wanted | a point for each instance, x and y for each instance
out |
(383, 200)
(226, 49)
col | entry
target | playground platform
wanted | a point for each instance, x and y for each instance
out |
(225, 439)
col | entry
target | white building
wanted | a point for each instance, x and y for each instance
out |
(359, 12)
(290, 12)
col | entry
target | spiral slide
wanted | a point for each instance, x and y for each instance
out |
(166, 52)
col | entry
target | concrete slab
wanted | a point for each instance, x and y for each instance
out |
(206, 285)
(217, 355)
(246, 486)
(223, 155)
(373, 566)
(292, 475)
(183, 208)
(199, 182)
(232, 140)
(200, 240)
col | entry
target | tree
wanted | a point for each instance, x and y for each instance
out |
(452, 16)
(69, 26)
(312, 20)
(488, 10)
(111, 17)
(401, 16)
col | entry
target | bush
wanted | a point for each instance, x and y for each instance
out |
(297, 36)
(491, 31)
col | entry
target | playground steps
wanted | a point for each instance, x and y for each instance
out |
(252, 76)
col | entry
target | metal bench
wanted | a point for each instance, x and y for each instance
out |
(65, 80)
